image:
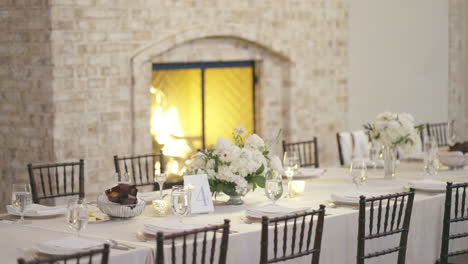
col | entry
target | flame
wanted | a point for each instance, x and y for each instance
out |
(167, 131)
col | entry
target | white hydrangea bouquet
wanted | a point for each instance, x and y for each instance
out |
(396, 130)
(232, 167)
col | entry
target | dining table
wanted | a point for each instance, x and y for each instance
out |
(339, 241)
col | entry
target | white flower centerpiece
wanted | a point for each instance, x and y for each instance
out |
(234, 168)
(394, 131)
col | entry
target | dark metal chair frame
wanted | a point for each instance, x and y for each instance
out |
(460, 215)
(404, 229)
(88, 255)
(439, 131)
(141, 165)
(160, 238)
(305, 149)
(315, 251)
(55, 171)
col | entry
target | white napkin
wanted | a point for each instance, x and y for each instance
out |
(310, 172)
(360, 144)
(68, 245)
(352, 197)
(346, 143)
(169, 227)
(36, 210)
(272, 210)
(428, 185)
(148, 196)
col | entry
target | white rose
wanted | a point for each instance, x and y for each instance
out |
(254, 141)
(223, 143)
(240, 130)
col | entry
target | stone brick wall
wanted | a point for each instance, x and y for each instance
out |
(458, 66)
(26, 98)
(102, 51)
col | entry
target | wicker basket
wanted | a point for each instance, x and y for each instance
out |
(120, 210)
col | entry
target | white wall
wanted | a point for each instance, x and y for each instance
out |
(398, 59)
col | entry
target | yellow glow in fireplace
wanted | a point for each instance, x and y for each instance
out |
(178, 106)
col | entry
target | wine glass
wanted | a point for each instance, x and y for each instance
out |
(291, 165)
(21, 198)
(180, 199)
(77, 214)
(451, 136)
(273, 186)
(160, 178)
(374, 151)
(430, 156)
(358, 172)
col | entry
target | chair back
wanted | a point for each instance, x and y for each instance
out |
(307, 151)
(390, 221)
(297, 235)
(208, 248)
(141, 168)
(83, 257)
(56, 180)
(439, 132)
(454, 212)
(352, 145)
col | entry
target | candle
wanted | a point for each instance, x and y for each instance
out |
(297, 188)
(160, 207)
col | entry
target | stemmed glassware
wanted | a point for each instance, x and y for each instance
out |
(21, 198)
(160, 178)
(358, 172)
(273, 186)
(374, 153)
(451, 136)
(431, 162)
(291, 165)
(181, 200)
(77, 214)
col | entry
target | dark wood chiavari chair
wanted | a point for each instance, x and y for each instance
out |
(393, 211)
(307, 151)
(439, 132)
(459, 214)
(340, 150)
(84, 257)
(204, 234)
(140, 168)
(306, 223)
(56, 180)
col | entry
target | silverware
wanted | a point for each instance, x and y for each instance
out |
(118, 245)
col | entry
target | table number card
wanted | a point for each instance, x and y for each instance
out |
(201, 194)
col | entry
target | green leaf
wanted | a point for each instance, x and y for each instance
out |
(260, 170)
(260, 180)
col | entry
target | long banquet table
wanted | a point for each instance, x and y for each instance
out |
(340, 228)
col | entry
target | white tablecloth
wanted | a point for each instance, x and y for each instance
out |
(339, 237)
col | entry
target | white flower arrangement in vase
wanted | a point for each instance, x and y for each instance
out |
(393, 131)
(233, 167)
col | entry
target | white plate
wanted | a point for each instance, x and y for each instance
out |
(77, 244)
(308, 173)
(51, 212)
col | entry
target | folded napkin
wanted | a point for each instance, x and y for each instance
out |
(36, 210)
(68, 245)
(272, 210)
(169, 227)
(148, 196)
(310, 172)
(428, 185)
(352, 197)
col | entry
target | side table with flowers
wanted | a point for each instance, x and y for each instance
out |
(235, 168)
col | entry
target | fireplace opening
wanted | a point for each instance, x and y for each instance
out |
(192, 104)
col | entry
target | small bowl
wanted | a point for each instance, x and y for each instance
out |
(120, 210)
(453, 159)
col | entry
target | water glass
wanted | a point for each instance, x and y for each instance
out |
(77, 214)
(21, 198)
(451, 135)
(160, 178)
(358, 172)
(291, 163)
(375, 150)
(273, 186)
(180, 199)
